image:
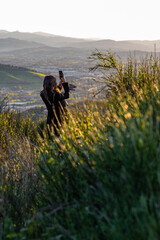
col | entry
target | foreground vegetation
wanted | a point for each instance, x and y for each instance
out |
(100, 178)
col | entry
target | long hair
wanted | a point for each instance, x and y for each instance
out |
(49, 85)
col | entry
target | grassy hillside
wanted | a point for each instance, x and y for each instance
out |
(11, 76)
(100, 178)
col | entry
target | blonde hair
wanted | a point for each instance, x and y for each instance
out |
(49, 84)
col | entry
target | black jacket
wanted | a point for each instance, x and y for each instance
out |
(55, 104)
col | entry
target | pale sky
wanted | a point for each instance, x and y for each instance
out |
(108, 19)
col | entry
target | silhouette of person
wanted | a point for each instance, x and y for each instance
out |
(54, 100)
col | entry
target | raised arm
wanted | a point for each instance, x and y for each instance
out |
(65, 95)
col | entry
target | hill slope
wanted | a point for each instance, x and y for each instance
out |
(47, 39)
(61, 41)
(10, 44)
(18, 76)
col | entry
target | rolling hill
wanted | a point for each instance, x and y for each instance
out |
(10, 44)
(43, 38)
(36, 49)
(61, 41)
(17, 76)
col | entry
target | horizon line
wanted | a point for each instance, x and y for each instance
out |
(75, 37)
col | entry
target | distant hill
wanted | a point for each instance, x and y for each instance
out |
(118, 45)
(43, 38)
(10, 44)
(36, 49)
(3, 31)
(48, 51)
(61, 41)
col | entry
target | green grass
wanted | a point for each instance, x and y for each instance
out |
(100, 178)
(27, 79)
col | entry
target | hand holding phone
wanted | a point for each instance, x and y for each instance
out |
(61, 76)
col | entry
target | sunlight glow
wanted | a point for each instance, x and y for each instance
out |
(116, 19)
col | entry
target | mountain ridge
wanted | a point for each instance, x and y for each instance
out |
(11, 44)
(52, 40)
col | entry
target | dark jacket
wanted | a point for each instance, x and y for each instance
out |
(55, 104)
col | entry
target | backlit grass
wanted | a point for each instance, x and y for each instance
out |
(100, 178)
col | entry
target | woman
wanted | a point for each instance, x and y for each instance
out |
(54, 100)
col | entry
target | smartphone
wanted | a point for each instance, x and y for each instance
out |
(61, 75)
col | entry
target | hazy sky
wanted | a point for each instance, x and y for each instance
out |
(110, 19)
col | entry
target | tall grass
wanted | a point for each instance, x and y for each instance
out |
(100, 178)
(18, 156)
